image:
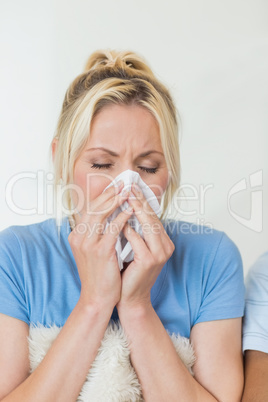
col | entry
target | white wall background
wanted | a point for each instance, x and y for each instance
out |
(212, 54)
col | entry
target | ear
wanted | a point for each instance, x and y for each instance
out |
(54, 146)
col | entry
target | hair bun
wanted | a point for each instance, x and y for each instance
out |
(114, 59)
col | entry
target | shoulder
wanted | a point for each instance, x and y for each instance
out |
(257, 279)
(47, 228)
(209, 265)
(16, 238)
(259, 268)
(200, 240)
(206, 256)
(255, 326)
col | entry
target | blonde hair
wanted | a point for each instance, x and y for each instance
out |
(112, 77)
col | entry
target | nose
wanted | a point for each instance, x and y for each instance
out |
(127, 166)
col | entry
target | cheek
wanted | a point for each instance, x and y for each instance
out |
(95, 186)
(91, 184)
(159, 185)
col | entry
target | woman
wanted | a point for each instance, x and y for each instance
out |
(117, 116)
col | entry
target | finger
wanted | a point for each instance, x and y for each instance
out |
(139, 199)
(94, 230)
(138, 244)
(152, 228)
(157, 256)
(113, 230)
(108, 207)
(93, 223)
(142, 206)
(105, 209)
(105, 196)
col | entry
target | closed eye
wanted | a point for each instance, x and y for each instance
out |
(101, 166)
(148, 170)
(109, 165)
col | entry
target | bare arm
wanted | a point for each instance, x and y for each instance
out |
(61, 374)
(218, 372)
(256, 376)
(14, 354)
(219, 363)
(218, 369)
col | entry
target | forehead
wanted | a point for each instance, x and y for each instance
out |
(116, 124)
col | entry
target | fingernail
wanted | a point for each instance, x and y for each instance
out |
(119, 185)
(132, 196)
(129, 209)
(125, 193)
(136, 188)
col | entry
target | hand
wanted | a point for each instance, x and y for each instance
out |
(150, 253)
(94, 249)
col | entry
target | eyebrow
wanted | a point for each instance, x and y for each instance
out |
(109, 151)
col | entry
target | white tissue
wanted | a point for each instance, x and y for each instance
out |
(123, 247)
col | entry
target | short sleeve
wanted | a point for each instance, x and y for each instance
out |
(223, 284)
(255, 325)
(12, 286)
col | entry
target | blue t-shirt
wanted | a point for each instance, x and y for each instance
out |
(202, 281)
(255, 326)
